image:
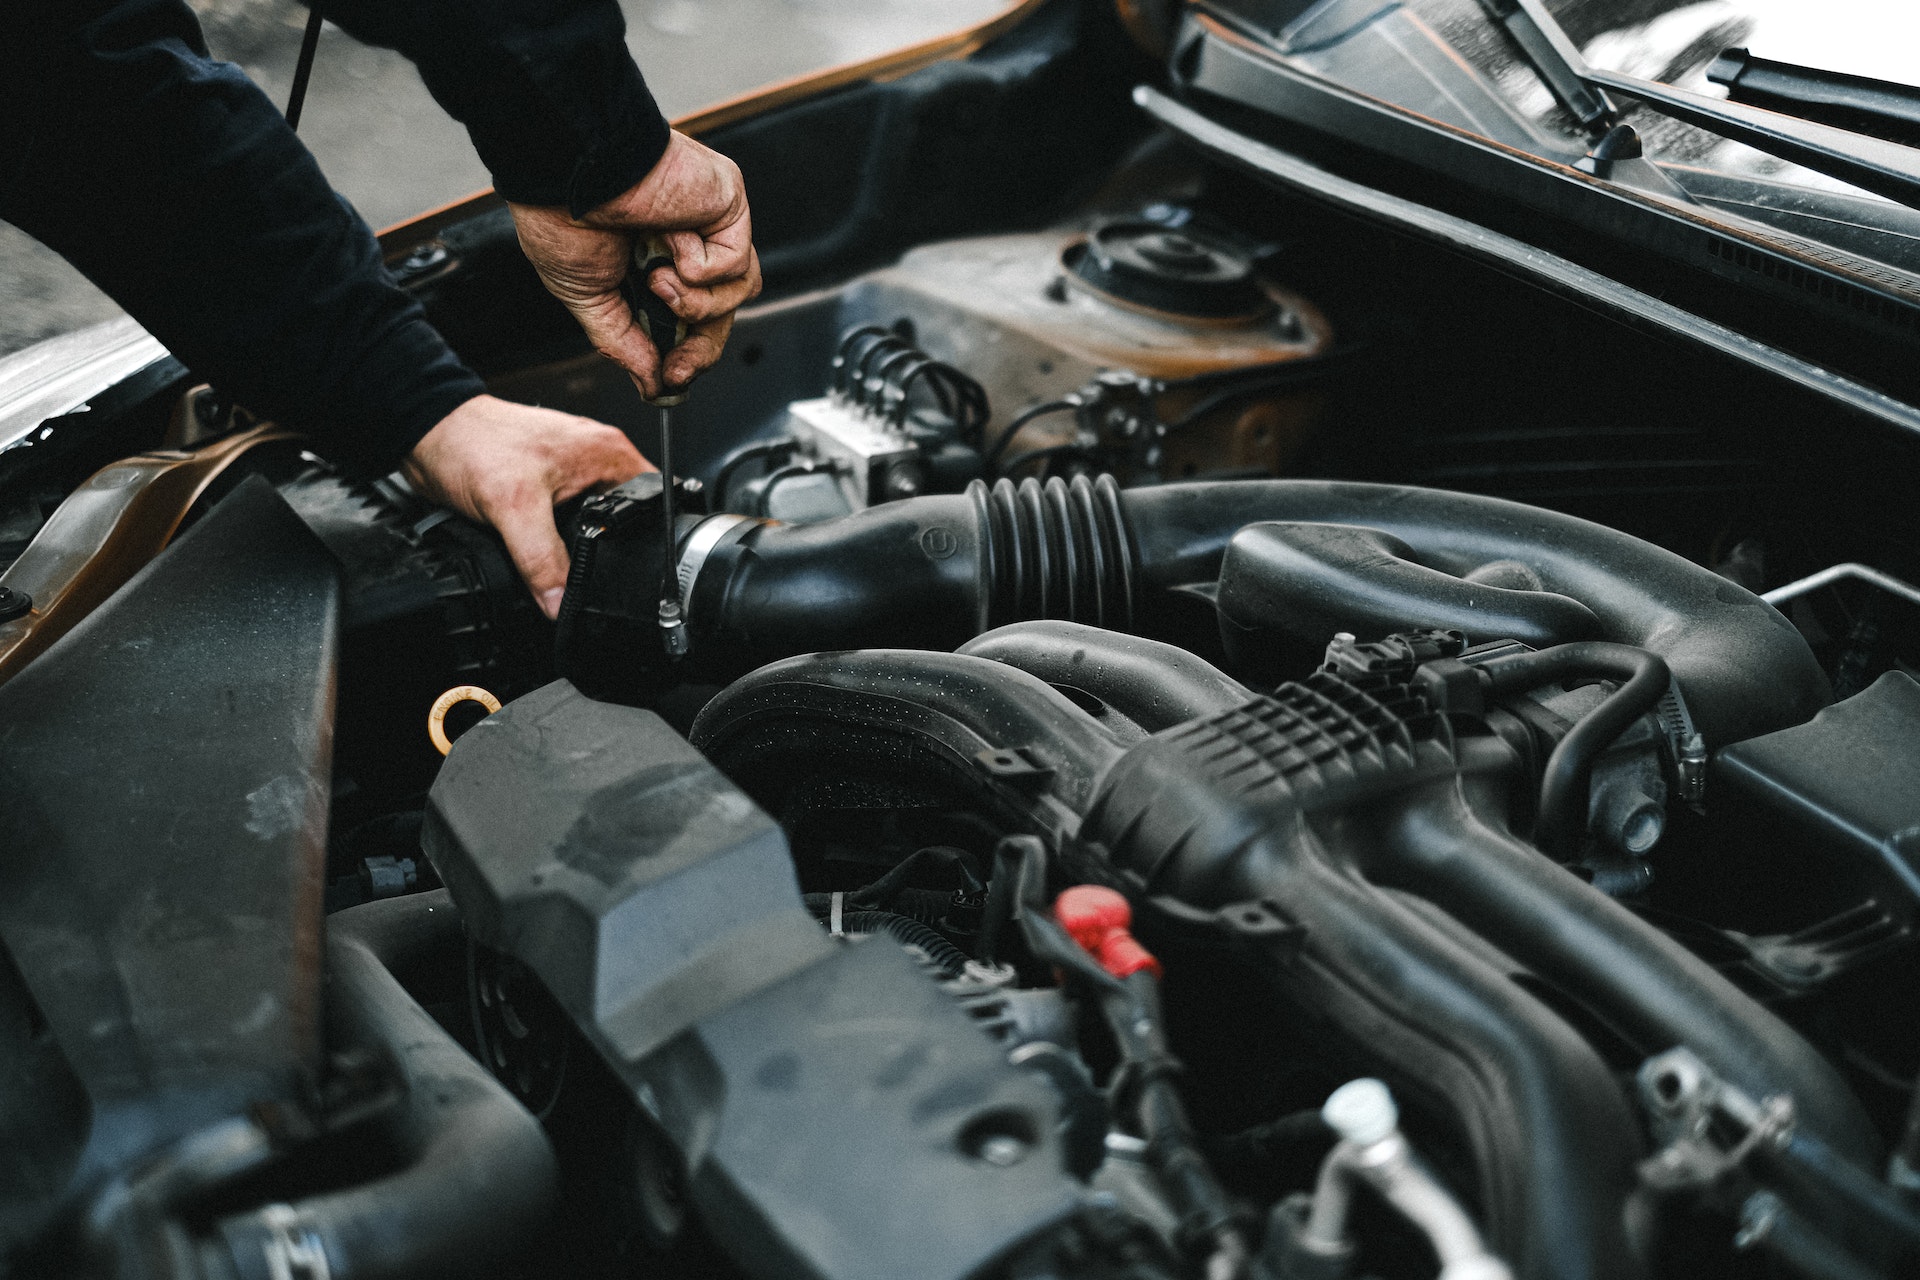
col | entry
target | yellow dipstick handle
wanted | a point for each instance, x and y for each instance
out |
(437, 718)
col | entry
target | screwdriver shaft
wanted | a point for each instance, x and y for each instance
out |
(666, 493)
(673, 627)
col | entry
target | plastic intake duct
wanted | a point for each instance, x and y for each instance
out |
(1283, 563)
(1352, 844)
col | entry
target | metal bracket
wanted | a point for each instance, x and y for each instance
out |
(1710, 1128)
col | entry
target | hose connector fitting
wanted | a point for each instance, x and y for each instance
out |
(1100, 920)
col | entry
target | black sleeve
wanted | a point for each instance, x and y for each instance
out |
(177, 187)
(551, 97)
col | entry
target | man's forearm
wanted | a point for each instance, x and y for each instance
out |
(177, 187)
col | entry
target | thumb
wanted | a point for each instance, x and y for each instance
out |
(525, 523)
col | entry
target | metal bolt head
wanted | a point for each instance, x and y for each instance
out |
(14, 604)
(673, 628)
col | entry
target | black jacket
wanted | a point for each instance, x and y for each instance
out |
(175, 185)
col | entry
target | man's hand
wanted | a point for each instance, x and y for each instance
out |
(508, 464)
(695, 201)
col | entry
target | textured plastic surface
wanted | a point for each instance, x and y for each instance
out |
(592, 842)
(1151, 683)
(830, 1101)
(1742, 666)
(164, 769)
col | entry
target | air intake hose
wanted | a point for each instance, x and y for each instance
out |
(933, 572)
(478, 1179)
(1154, 685)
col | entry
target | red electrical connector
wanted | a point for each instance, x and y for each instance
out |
(1098, 918)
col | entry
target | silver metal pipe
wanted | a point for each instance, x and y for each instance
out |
(1373, 1151)
(1841, 573)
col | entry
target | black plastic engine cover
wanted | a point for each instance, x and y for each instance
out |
(164, 783)
(831, 1103)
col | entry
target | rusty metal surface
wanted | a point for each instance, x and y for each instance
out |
(1015, 284)
(104, 533)
(1000, 308)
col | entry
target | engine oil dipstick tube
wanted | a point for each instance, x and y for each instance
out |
(665, 331)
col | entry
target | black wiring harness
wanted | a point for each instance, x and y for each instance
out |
(880, 373)
(877, 369)
(1143, 1092)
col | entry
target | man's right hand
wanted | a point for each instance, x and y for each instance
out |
(696, 202)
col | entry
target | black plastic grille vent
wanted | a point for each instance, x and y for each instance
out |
(1310, 736)
(1209, 803)
(1881, 308)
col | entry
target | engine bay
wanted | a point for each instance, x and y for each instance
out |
(1207, 744)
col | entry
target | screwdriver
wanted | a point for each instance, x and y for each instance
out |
(666, 331)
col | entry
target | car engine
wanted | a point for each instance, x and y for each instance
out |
(1140, 797)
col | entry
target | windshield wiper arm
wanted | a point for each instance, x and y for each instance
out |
(1558, 63)
(1877, 107)
(1870, 163)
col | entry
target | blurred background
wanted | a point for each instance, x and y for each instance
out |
(388, 148)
